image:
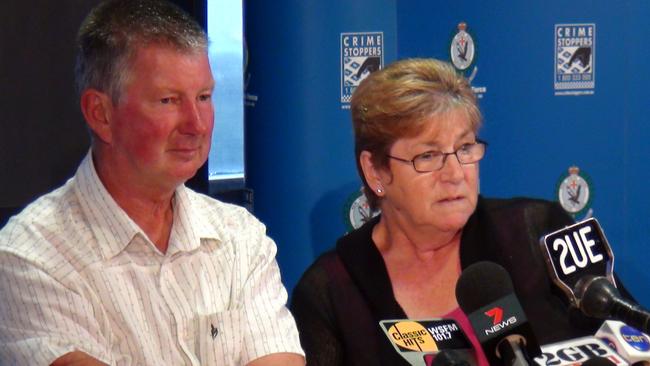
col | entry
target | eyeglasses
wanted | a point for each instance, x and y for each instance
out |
(434, 160)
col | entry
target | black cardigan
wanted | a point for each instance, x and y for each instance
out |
(341, 298)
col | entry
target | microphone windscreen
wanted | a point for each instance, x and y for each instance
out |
(598, 361)
(597, 295)
(450, 357)
(482, 283)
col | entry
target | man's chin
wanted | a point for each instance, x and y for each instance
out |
(184, 174)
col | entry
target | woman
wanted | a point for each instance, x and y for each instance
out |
(416, 128)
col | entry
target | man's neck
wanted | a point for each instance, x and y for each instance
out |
(150, 208)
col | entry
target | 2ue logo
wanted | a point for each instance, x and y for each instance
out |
(496, 314)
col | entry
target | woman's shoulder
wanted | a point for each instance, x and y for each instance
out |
(317, 276)
(513, 203)
(524, 208)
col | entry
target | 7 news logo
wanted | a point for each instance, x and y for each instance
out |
(496, 313)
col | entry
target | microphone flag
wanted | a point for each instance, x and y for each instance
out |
(575, 252)
(417, 340)
(577, 351)
(629, 342)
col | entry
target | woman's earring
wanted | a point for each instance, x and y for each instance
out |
(379, 190)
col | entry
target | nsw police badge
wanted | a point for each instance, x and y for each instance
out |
(574, 192)
(357, 211)
(463, 53)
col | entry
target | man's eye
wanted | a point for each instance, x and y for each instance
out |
(205, 97)
(167, 100)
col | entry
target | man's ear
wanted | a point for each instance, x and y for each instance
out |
(371, 173)
(96, 107)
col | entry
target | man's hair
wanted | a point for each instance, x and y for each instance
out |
(115, 30)
(397, 101)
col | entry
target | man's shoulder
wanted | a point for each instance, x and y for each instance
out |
(49, 231)
(45, 212)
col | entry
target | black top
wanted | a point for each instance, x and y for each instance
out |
(341, 298)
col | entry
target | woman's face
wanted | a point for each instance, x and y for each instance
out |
(442, 199)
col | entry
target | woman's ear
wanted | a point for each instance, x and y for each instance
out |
(96, 107)
(371, 173)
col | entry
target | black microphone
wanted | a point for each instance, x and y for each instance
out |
(598, 361)
(485, 293)
(627, 341)
(450, 357)
(576, 351)
(600, 299)
(581, 263)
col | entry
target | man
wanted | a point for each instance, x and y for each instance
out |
(124, 265)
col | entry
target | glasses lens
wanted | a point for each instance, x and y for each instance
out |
(428, 162)
(469, 154)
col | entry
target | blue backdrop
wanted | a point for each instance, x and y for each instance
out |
(299, 151)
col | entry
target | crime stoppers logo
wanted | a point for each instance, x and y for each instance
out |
(361, 54)
(574, 192)
(575, 59)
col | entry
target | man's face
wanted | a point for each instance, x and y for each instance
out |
(161, 127)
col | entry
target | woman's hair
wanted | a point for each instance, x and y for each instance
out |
(114, 31)
(397, 101)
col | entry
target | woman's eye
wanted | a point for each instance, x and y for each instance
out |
(428, 155)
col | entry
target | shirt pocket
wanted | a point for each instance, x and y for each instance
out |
(220, 339)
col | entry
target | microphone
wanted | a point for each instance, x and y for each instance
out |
(577, 251)
(485, 293)
(629, 342)
(419, 342)
(450, 357)
(598, 361)
(578, 351)
(600, 299)
(581, 263)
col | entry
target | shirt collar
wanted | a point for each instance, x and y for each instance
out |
(112, 227)
(190, 225)
(115, 230)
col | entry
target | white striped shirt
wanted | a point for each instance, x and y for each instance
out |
(76, 273)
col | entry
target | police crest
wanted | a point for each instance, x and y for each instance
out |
(357, 211)
(574, 192)
(463, 53)
(462, 49)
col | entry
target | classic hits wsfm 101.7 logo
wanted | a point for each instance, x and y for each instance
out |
(415, 340)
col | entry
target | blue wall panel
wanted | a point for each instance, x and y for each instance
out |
(299, 148)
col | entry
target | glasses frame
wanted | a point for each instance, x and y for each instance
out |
(444, 157)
